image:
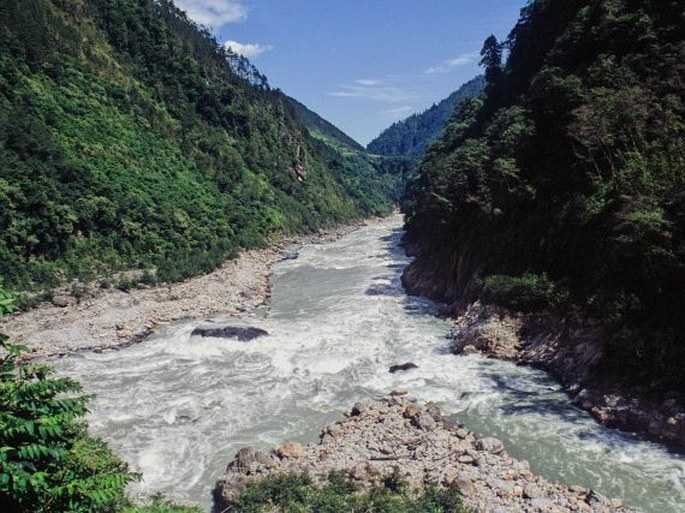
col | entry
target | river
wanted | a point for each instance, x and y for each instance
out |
(179, 407)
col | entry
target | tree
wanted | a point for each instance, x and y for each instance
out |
(492, 61)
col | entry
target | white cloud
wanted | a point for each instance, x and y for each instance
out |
(249, 50)
(213, 13)
(386, 91)
(399, 112)
(449, 64)
(368, 82)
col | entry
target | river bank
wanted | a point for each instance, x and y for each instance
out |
(102, 319)
(570, 350)
(179, 406)
(396, 432)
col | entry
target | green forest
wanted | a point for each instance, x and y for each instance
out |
(129, 138)
(564, 182)
(411, 136)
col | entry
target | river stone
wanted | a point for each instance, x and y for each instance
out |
(530, 491)
(434, 411)
(402, 367)
(291, 450)
(358, 409)
(61, 301)
(241, 333)
(246, 459)
(469, 349)
(491, 445)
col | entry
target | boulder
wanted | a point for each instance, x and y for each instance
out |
(241, 333)
(61, 301)
(246, 459)
(491, 445)
(402, 367)
(291, 450)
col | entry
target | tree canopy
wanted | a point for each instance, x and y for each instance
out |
(572, 169)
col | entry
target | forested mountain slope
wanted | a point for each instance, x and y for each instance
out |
(563, 187)
(130, 138)
(412, 135)
(316, 123)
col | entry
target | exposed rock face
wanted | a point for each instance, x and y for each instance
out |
(375, 438)
(242, 334)
(570, 350)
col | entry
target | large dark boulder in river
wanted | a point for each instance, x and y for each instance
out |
(241, 333)
(403, 367)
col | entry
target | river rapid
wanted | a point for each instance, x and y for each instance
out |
(179, 407)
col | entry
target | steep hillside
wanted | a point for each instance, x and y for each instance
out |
(369, 179)
(412, 135)
(564, 188)
(130, 138)
(316, 123)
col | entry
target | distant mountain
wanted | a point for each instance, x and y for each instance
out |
(412, 135)
(316, 123)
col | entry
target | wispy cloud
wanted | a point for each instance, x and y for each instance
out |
(249, 50)
(214, 13)
(375, 90)
(449, 64)
(368, 82)
(399, 112)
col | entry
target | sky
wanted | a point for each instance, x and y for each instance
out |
(360, 64)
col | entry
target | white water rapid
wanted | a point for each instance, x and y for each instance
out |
(179, 407)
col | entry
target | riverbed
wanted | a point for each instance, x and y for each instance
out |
(178, 406)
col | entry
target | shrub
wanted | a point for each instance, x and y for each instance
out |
(338, 494)
(528, 293)
(158, 504)
(48, 461)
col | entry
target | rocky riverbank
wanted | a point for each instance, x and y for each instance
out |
(395, 432)
(570, 349)
(109, 318)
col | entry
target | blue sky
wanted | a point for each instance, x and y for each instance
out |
(361, 64)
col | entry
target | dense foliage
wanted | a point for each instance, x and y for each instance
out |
(411, 136)
(572, 167)
(130, 138)
(298, 493)
(316, 123)
(48, 461)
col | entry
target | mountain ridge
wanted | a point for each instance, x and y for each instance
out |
(412, 135)
(131, 139)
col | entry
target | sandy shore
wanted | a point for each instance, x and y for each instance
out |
(111, 318)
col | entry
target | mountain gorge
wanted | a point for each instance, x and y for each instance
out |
(129, 138)
(561, 188)
(193, 263)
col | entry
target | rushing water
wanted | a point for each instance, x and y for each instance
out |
(179, 407)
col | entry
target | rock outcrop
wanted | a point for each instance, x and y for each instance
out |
(570, 350)
(244, 334)
(395, 432)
